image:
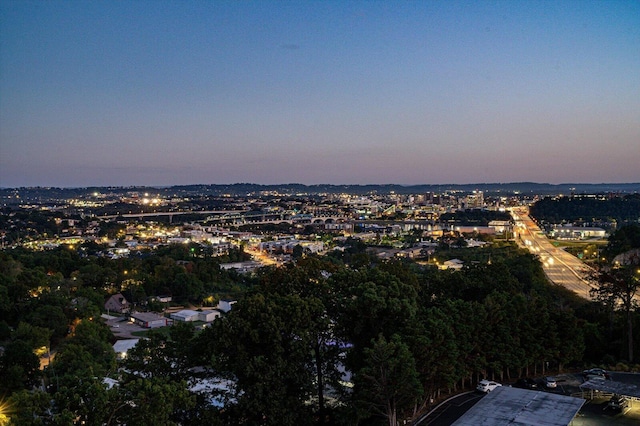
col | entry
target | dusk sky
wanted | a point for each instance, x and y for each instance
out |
(414, 92)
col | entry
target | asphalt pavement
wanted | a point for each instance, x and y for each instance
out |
(561, 268)
(593, 413)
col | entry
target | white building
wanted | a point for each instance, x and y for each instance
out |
(185, 315)
(122, 346)
(225, 305)
(453, 264)
(577, 232)
(148, 319)
(242, 267)
(209, 315)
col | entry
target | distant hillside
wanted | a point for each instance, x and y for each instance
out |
(587, 210)
(36, 194)
(508, 188)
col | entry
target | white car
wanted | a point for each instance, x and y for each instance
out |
(487, 386)
(550, 382)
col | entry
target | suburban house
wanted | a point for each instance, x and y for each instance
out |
(117, 303)
(147, 319)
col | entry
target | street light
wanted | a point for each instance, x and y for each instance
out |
(4, 409)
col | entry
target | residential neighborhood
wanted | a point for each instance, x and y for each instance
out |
(216, 308)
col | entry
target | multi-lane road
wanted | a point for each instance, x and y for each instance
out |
(560, 267)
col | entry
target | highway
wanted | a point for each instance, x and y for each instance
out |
(560, 267)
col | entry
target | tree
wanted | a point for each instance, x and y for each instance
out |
(157, 356)
(51, 317)
(619, 284)
(36, 337)
(307, 279)
(372, 302)
(263, 346)
(623, 240)
(149, 402)
(434, 344)
(84, 399)
(298, 251)
(86, 353)
(388, 383)
(19, 367)
(29, 408)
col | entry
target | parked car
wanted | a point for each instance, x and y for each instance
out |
(618, 402)
(487, 386)
(527, 383)
(550, 382)
(595, 372)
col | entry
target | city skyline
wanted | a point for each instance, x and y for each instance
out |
(169, 93)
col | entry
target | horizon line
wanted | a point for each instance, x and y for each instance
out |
(317, 184)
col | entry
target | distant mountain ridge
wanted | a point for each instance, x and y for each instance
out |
(522, 188)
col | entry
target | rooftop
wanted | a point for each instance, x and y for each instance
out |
(612, 386)
(513, 406)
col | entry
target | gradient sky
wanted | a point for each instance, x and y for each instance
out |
(187, 92)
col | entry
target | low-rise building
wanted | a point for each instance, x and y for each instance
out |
(209, 315)
(162, 298)
(242, 267)
(225, 305)
(453, 264)
(148, 319)
(577, 232)
(185, 315)
(121, 347)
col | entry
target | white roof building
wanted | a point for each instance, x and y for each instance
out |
(186, 315)
(453, 264)
(121, 347)
(521, 407)
(209, 315)
(225, 305)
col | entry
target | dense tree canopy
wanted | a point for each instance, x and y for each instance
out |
(620, 209)
(344, 339)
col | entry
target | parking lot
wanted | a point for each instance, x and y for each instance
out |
(593, 413)
(596, 412)
(123, 329)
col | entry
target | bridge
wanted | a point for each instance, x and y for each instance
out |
(142, 215)
(262, 218)
(238, 217)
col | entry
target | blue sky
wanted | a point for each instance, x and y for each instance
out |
(186, 92)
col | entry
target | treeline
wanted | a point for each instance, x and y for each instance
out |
(406, 335)
(189, 273)
(588, 210)
(346, 339)
(473, 217)
(20, 225)
(39, 194)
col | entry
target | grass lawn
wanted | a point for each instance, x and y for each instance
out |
(586, 250)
